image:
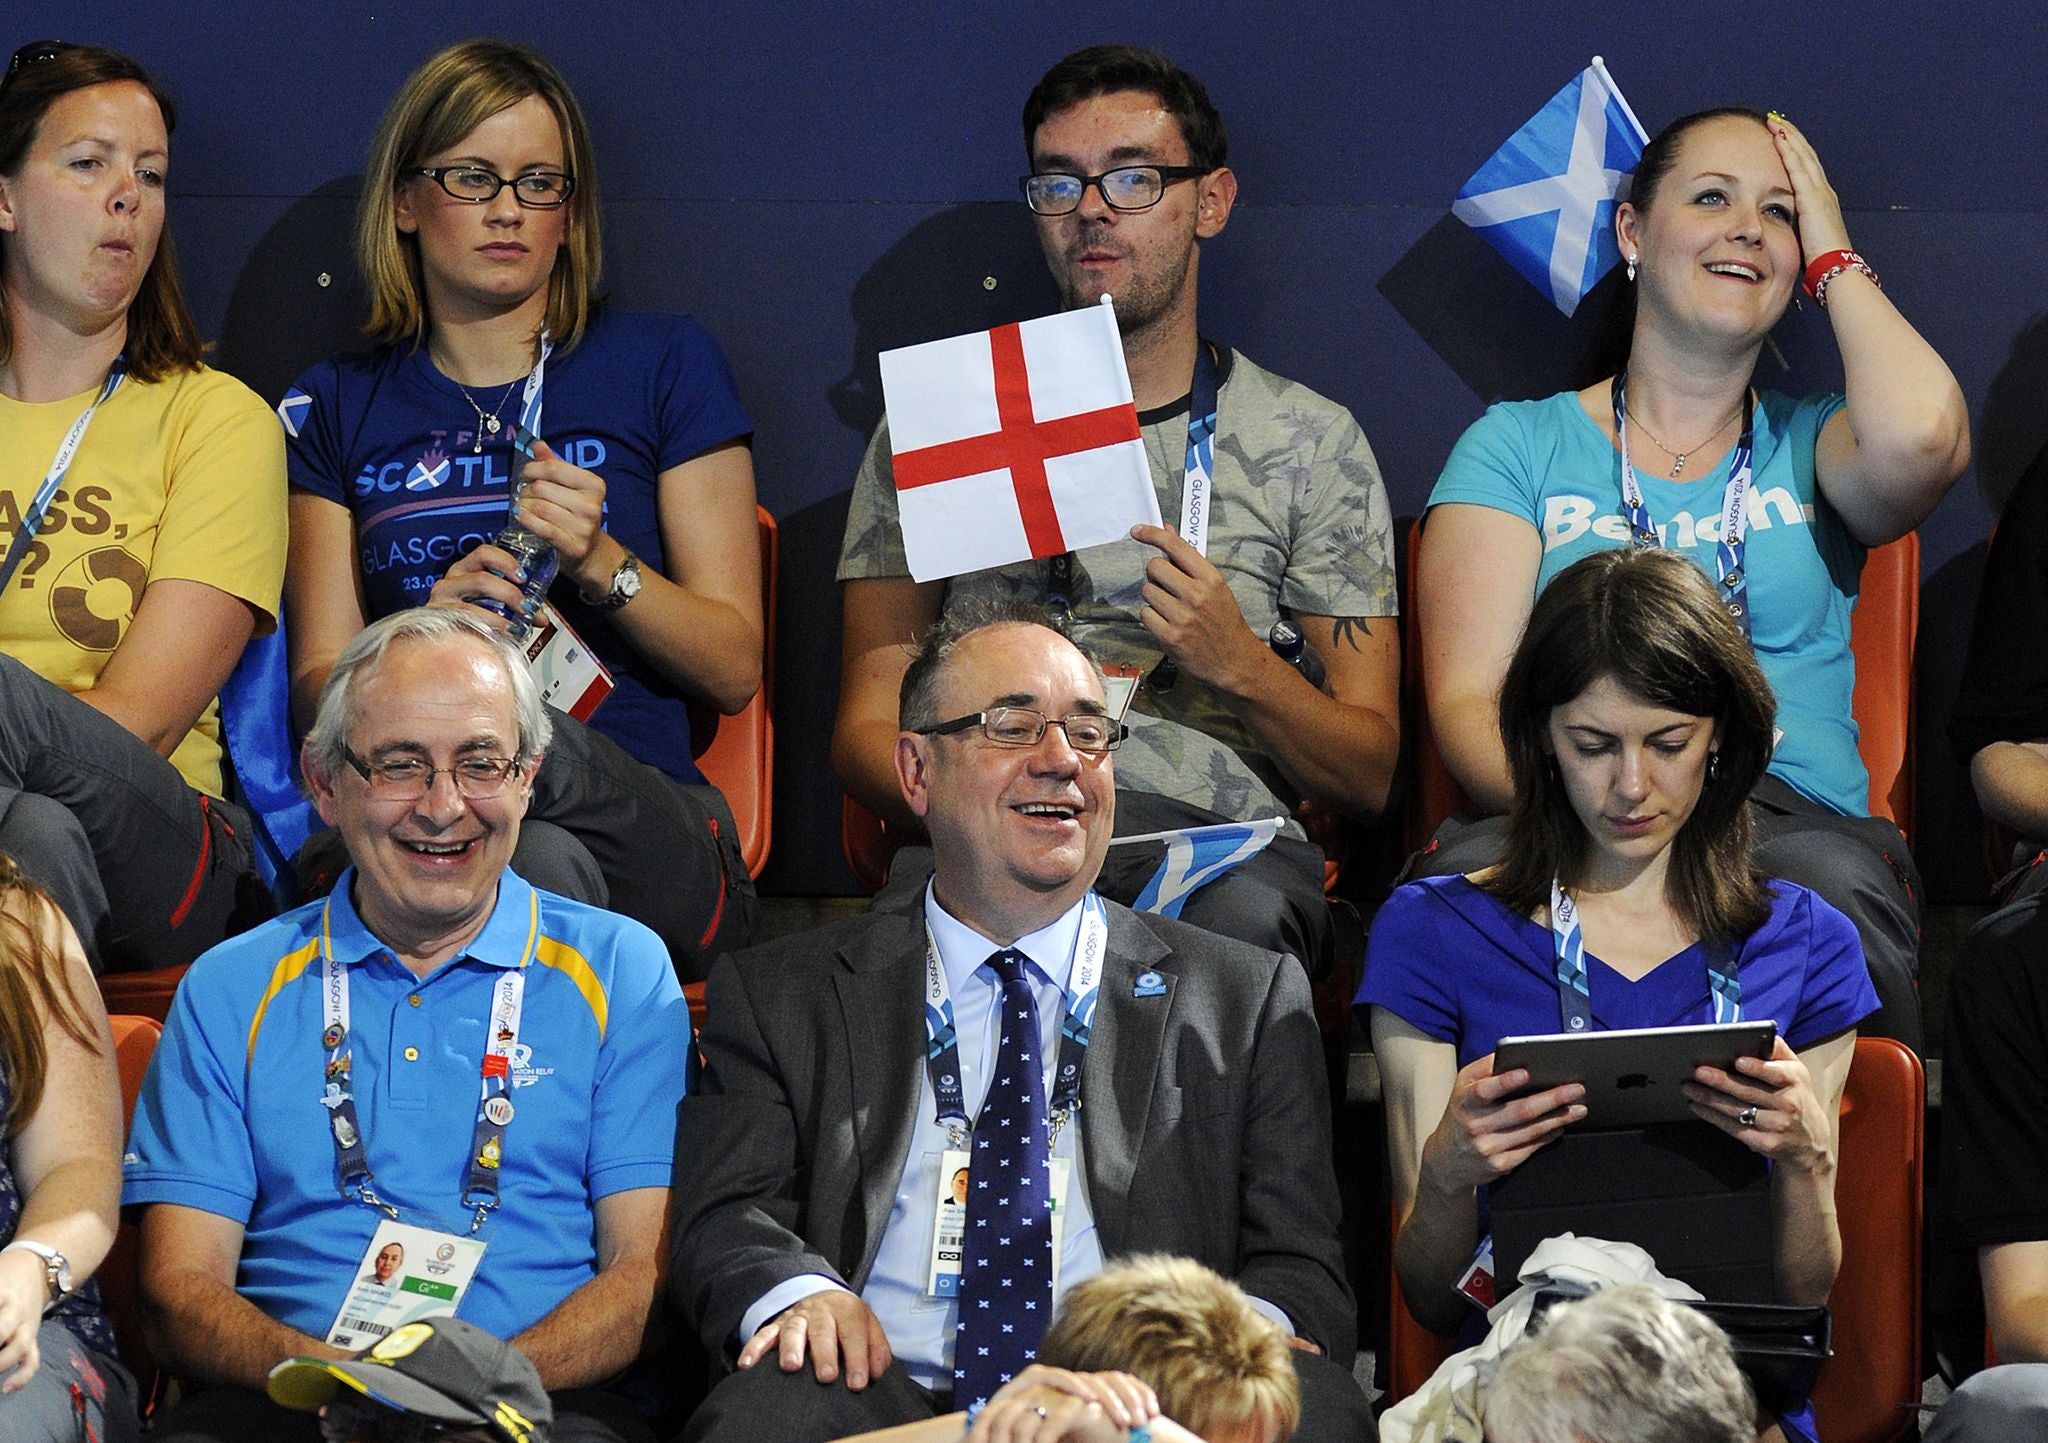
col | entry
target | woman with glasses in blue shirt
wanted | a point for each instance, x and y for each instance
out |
(616, 440)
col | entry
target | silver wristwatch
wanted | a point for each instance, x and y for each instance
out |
(56, 1268)
(625, 586)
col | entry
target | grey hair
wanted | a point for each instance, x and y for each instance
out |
(918, 702)
(1626, 1363)
(365, 650)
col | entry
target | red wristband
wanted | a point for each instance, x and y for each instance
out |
(1829, 264)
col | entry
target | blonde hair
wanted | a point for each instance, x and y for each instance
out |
(457, 90)
(32, 984)
(1212, 1358)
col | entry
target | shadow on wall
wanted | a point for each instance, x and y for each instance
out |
(965, 269)
(2012, 427)
(1948, 830)
(298, 299)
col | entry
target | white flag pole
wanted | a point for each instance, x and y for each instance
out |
(1620, 99)
(1276, 823)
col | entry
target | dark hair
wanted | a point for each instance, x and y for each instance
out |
(1616, 337)
(1106, 69)
(162, 336)
(917, 703)
(1652, 621)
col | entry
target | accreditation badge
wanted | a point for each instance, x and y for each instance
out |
(949, 1222)
(406, 1274)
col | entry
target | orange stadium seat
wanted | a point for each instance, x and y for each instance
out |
(134, 1043)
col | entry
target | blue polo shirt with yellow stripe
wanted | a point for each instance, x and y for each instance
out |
(230, 1119)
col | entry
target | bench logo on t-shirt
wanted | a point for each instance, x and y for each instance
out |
(1566, 518)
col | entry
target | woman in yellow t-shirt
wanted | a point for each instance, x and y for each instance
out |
(142, 500)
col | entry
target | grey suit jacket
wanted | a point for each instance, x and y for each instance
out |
(1204, 1117)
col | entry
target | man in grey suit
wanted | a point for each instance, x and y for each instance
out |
(815, 1228)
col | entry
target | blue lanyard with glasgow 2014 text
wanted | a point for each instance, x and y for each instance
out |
(1574, 995)
(67, 449)
(942, 1039)
(494, 1105)
(1730, 550)
(1198, 473)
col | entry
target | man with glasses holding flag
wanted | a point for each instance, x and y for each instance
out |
(1113, 1083)
(435, 1064)
(1261, 624)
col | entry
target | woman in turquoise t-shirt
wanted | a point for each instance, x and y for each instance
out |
(1727, 207)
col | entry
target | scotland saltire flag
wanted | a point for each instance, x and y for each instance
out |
(1196, 855)
(1546, 199)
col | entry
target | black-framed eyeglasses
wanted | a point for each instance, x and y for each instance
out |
(1017, 726)
(407, 779)
(33, 53)
(536, 189)
(1130, 187)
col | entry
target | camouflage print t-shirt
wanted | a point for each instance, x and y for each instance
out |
(1298, 519)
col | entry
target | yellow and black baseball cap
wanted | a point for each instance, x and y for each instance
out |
(442, 1368)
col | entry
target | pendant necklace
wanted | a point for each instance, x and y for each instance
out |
(1678, 458)
(489, 423)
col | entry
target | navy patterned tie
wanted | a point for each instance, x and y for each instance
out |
(1006, 1275)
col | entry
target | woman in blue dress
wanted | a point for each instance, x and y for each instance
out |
(1636, 720)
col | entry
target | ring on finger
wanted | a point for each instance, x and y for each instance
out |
(1746, 1117)
(1039, 1409)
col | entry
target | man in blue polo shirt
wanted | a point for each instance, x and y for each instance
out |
(437, 1065)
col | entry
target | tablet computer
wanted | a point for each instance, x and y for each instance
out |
(1632, 1075)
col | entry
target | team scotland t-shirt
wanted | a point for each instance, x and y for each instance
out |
(388, 436)
(1547, 462)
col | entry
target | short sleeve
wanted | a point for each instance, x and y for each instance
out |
(1491, 467)
(873, 545)
(1404, 964)
(642, 1068)
(696, 399)
(1341, 561)
(1838, 993)
(224, 511)
(310, 412)
(190, 1143)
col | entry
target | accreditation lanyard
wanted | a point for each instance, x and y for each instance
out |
(942, 1042)
(493, 1108)
(1197, 480)
(1730, 550)
(1574, 997)
(528, 433)
(32, 520)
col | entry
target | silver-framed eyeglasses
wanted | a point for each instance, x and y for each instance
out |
(407, 779)
(536, 189)
(1129, 187)
(1017, 726)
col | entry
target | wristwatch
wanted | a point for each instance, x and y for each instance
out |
(56, 1268)
(625, 586)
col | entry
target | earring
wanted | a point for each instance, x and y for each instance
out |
(1631, 268)
(1713, 767)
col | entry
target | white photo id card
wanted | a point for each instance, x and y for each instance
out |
(406, 1274)
(949, 1226)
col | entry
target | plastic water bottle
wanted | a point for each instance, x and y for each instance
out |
(540, 563)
